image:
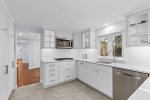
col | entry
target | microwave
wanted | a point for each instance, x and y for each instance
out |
(62, 43)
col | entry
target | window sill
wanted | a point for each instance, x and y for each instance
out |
(118, 59)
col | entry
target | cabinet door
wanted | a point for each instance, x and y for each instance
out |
(11, 75)
(67, 70)
(63, 34)
(4, 67)
(93, 77)
(3, 19)
(72, 64)
(105, 83)
(82, 73)
(77, 41)
(61, 74)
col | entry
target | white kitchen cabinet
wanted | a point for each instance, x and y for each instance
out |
(93, 77)
(48, 38)
(6, 54)
(138, 28)
(77, 41)
(105, 83)
(57, 72)
(3, 18)
(100, 77)
(6, 66)
(88, 39)
(64, 34)
(67, 70)
(82, 71)
(50, 74)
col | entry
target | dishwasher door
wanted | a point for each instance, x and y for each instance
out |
(125, 82)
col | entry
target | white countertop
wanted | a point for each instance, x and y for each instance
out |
(143, 92)
(144, 69)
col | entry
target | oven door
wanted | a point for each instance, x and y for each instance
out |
(64, 43)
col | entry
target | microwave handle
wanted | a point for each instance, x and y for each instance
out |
(70, 43)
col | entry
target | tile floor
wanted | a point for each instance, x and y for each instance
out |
(74, 90)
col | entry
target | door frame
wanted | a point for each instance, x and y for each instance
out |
(15, 55)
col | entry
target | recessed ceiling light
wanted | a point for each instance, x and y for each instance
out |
(20, 34)
(106, 24)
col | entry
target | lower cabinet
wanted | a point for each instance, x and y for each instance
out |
(57, 72)
(50, 74)
(100, 79)
(67, 70)
(105, 83)
(95, 75)
(82, 71)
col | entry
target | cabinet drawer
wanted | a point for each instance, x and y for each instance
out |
(50, 81)
(81, 63)
(52, 74)
(100, 67)
(51, 65)
(51, 69)
(68, 76)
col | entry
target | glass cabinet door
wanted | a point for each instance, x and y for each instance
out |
(85, 40)
(137, 29)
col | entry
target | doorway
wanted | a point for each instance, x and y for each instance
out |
(28, 58)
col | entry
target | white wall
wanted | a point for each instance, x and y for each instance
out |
(23, 51)
(138, 55)
(91, 53)
(34, 54)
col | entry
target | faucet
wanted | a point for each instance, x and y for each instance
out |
(84, 56)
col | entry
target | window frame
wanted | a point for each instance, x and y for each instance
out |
(112, 35)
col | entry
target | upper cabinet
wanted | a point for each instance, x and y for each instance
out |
(88, 39)
(5, 21)
(64, 34)
(49, 38)
(138, 29)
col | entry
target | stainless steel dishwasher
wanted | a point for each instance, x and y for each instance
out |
(125, 82)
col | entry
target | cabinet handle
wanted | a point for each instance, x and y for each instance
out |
(6, 69)
(52, 74)
(68, 76)
(52, 81)
(51, 69)
(52, 65)
(67, 69)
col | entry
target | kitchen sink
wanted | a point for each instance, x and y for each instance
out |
(105, 62)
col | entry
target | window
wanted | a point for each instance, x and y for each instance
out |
(103, 47)
(117, 48)
(111, 45)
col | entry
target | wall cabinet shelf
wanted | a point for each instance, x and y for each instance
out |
(138, 29)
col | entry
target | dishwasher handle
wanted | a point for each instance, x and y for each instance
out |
(129, 75)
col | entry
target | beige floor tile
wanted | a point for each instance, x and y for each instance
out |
(74, 90)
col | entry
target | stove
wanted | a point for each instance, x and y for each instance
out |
(61, 59)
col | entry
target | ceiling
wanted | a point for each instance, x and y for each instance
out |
(71, 15)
